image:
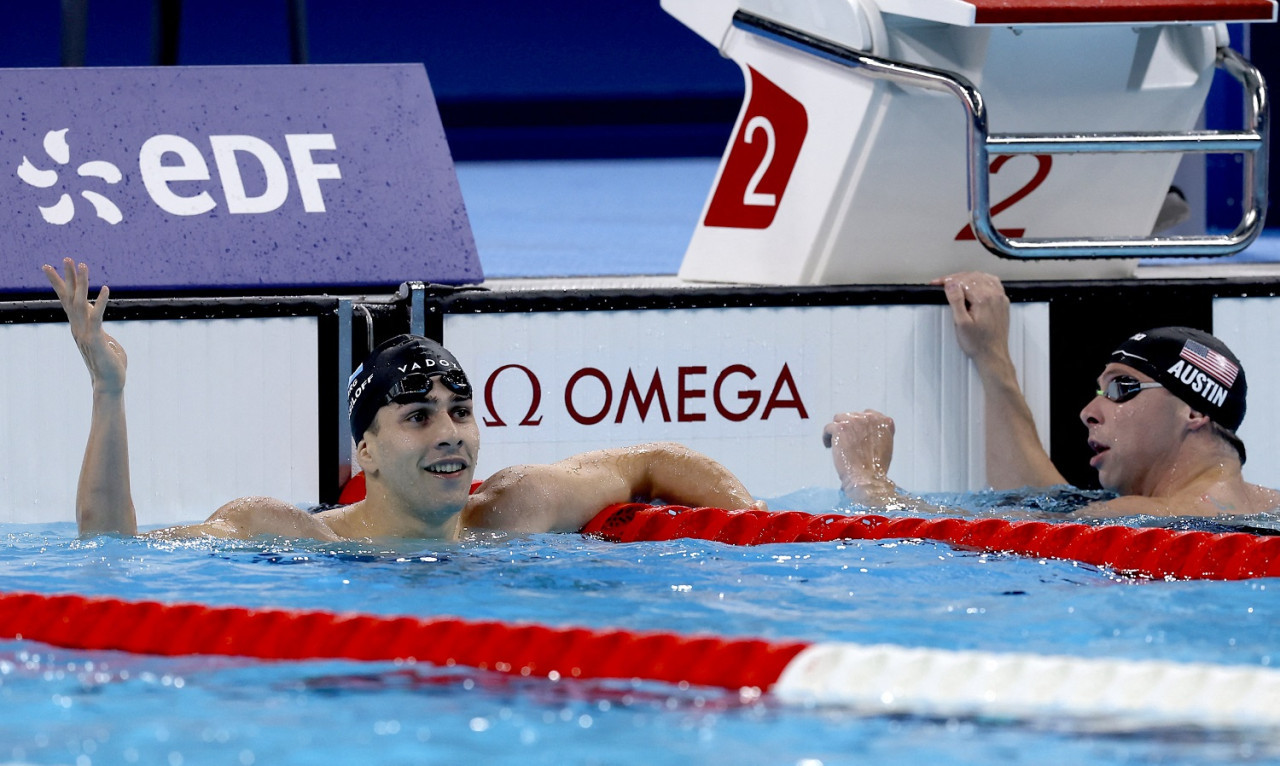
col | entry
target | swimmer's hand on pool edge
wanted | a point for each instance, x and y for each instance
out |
(861, 446)
(1015, 456)
(980, 312)
(104, 502)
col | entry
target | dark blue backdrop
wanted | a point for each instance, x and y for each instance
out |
(547, 79)
(555, 78)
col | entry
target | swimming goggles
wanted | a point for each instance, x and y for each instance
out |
(416, 385)
(1123, 388)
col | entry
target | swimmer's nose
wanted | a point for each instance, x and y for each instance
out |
(1091, 413)
(450, 434)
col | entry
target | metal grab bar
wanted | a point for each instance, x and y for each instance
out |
(1252, 143)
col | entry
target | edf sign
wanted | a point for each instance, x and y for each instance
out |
(191, 166)
(180, 178)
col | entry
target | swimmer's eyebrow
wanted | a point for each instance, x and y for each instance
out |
(425, 404)
(1111, 375)
(434, 402)
(448, 399)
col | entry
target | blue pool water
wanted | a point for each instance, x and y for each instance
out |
(74, 707)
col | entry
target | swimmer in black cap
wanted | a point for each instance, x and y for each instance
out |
(1162, 425)
(417, 441)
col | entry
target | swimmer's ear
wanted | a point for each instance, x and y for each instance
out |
(366, 456)
(1197, 420)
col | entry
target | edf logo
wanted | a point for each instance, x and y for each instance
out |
(172, 169)
(228, 177)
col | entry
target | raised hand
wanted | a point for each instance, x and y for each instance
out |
(103, 355)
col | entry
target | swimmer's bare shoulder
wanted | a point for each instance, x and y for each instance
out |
(248, 517)
(1217, 501)
(1127, 505)
(1263, 498)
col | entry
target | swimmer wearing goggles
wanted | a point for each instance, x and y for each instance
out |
(1122, 388)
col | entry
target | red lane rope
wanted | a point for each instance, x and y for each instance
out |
(148, 627)
(883, 679)
(1155, 553)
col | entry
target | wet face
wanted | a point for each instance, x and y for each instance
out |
(1134, 441)
(424, 453)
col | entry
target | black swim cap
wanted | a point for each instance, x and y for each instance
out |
(399, 369)
(1194, 366)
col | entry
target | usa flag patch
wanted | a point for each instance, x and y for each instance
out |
(1216, 365)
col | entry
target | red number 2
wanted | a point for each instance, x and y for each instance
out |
(1042, 172)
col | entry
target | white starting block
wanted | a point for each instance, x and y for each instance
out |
(886, 141)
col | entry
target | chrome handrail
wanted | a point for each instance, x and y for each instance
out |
(1252, 143)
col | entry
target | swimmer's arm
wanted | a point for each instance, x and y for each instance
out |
(1014, 454)
(250, 517)
(104, 501)
(862, 448)
(675, 474)
(564, 496)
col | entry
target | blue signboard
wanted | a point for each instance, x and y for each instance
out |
(230, 177)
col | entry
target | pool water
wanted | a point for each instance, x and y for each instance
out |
(76, 707)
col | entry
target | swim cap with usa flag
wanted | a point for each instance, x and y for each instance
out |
(1194, 366)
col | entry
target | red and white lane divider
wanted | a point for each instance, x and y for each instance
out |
(1149, 552)
(867, 679)
(894, 679)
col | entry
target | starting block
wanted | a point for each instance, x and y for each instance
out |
(889, 141)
